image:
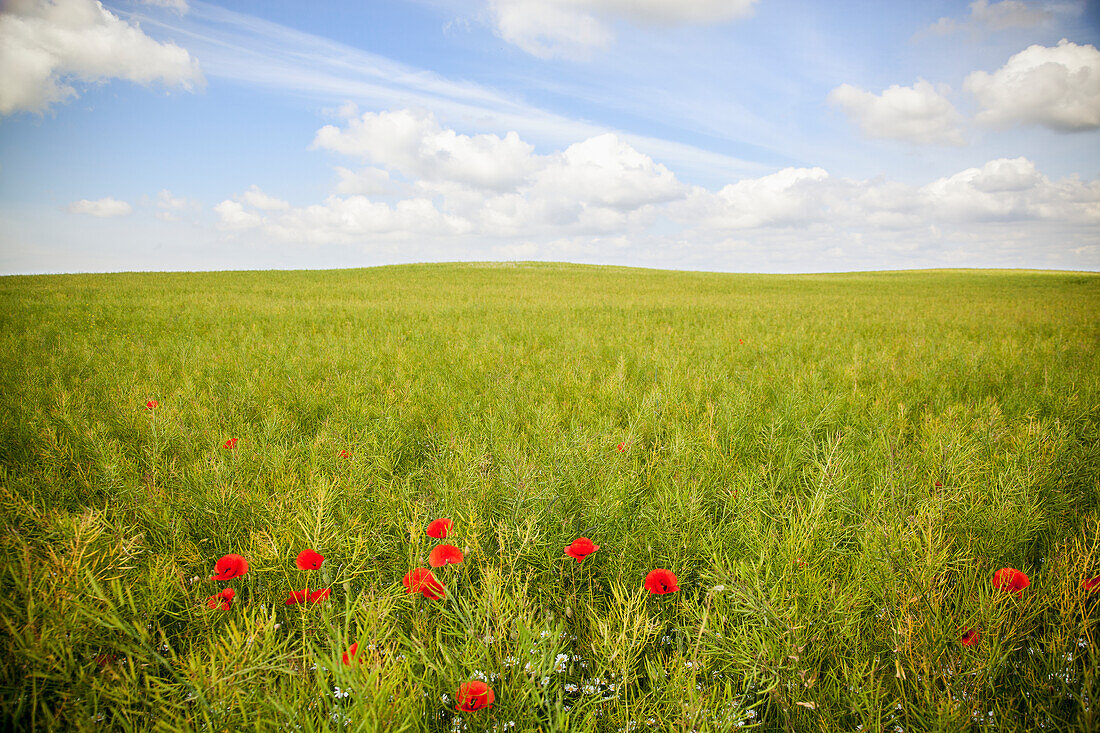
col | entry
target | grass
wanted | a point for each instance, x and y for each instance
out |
(834, 466)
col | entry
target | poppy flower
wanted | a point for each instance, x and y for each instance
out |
(221, 600)
(1091, 584)
(1011, 580)
(621, 447)
(319, 595)
(421, 580)
(230, 566)
(740, 341)
(230, 444)
(345, 454)
(309, 560)
(152, 405)
(473, 696)
(970, 637)
(939, 484)
(439, 528)
(661, 581)
(351, 652)
(444, 555)
(296, 597)
(580, 548)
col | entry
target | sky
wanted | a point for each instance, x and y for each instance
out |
(722, 135)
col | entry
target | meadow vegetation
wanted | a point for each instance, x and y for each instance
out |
(834, 466)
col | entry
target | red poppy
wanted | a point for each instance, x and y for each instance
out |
(230, 566)
(1011, 580)
(152, 405)
(319, 595)
(439, 528)
(740, 341)
(580, 548)
(230, 444)
(309, 560)
(351, 652)
(621, 447)
(444, 555)
(970, 637)
(661, 581)
(421, 580)
(473, 696)
(1091, 584)
(297, 596)
(345, 454)
(221, 600)
(939, 484)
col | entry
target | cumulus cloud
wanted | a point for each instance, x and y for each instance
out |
(917, 114)
(366, 181)
(103, 208)
(257, 199)
(416, 146)
(602, 200)
(45, 45)
(573, 28)
(996, 16)
(1056, 86)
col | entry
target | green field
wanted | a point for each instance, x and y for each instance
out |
(834, 466)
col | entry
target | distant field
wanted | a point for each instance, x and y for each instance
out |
(834, 466)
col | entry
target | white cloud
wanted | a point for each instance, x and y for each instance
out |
(257, 199)
(574, 28)
(1055, 86)
(996, 16)
(103, 208)
(47, 44)
(918, 114)
(790, 197)
(1011, 190)
(414, 145)
(366, 181)
(233, 217)
(166, 201)
(180, 6)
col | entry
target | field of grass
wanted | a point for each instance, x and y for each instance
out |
(834, 466)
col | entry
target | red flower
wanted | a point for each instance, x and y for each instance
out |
(351, 652)
(230, 566)
(230, 444)
(473, 696)
(152, 405)
(661, 581)
(301, 596)
(800, 563)
(970, 637)
(580, 548)
(621, 447)
(221, 600)
(740, 341)
(939, 484)
(421, 580)
(1091, 584)
(309, 560)
(444, 555)
(1011, 580)
(345, 454)
(439, 528)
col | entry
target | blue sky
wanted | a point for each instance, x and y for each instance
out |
(733, 135)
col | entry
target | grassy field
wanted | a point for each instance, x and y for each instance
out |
(834, 467)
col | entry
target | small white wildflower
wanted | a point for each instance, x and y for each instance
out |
(510, 661)
(570, 687)
(545, 681)
(445, 698)
(589, 688)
